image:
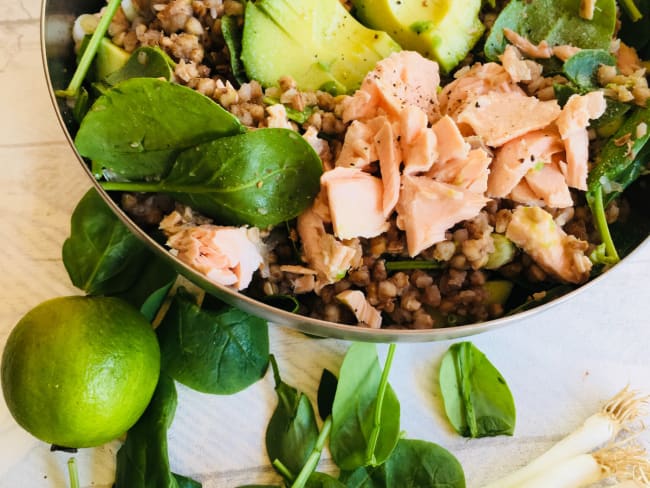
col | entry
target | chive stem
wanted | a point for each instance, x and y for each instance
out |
(600, 219)
(282, 469)
(632, 10)
(412, 264)
(89, 54)
(381, 393)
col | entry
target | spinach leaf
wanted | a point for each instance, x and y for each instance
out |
(137, 128)
(413, 463)
(185, 482)
(556, 21)
(151, 287)
(260, 178)
(582, 67)
(366, 411)
(477, 399)
(144, 62)
(102, 256)
(323, 480)
(607, 124)
(326, 392)
(232, 35)
(218, 351)
(142, 461)
(292, 431)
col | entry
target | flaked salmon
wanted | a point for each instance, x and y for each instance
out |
(572, 124)
(366, 314)
(470, 173)
(428, 208)
(540, 51)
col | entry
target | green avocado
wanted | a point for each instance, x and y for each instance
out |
(442, 30)
(109, 58)
(316, 42)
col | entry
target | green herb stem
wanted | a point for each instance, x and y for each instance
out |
(135, 186)
(381, 393)
(412, 264)
(600, 219)
(89, 54)
(72, 472)
(283, 470)
(632, 10)
(314, 457)
(276, 370)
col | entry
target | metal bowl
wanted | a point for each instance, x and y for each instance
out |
(57, 17)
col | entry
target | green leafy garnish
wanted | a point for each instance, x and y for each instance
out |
(477, 399)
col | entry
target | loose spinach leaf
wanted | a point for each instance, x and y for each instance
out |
(582, 67)
(219, 351)
(232, 35)
(556, 21)
(354, 412)
(477, 399)
(185, 482)
(292, 431)
(326, 392)
(413, 464)
(260, 178)
(102, 256)
(143, 461)
(150, 288)
(323, 480)
(144, 62)
(139, 127)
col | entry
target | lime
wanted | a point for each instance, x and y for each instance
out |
(79, 371)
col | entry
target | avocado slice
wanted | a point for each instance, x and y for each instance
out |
(108, 59)
(316, 42)
(443, 30)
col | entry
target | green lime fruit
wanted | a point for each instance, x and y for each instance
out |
(79, 371)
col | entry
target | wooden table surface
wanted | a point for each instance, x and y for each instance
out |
(561, 365)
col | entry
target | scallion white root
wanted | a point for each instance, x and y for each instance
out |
(625, 463)
(617, 414)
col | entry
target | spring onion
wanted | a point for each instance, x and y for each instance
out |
(617, 414)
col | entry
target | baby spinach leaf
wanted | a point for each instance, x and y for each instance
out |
(323, 480)
(144, 62)
(102, 256)
(143, 461)
(366, 411)
(326, 392)
(137, 128)
(477, 399)
(185, 482)
(556, 21)
(232, 35)
(219, 351)
(582, 67)
(292, 431)
(260, 178)
(413, 463)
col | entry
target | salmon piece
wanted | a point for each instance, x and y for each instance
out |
(451, 143)
(565, 51)
(319, 145)
(501, 117)
(561, 255)
(329, 257)
(572, 124)
(470, 83)
(366, 314)
(515, 158)
(470, 173)
(390, 158)
(515, 65)
(412, 121)
(358, 150)
(404, 78)
(421, 154)
(548, 184)
(225, 255)
(428, 208)
(523, 193)
(360, 106)
(541, 50)
(627, 60)
(355, 202)
(587, 8)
